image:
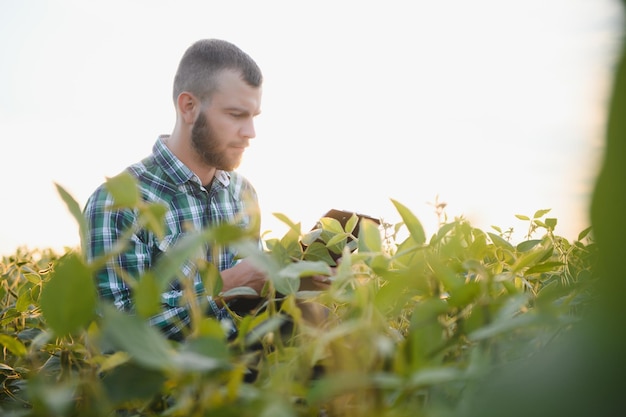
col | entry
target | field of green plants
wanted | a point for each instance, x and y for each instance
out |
(412, 328)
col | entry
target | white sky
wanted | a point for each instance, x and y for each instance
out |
(495, 106)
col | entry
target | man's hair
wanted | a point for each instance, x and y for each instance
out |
(204, 60)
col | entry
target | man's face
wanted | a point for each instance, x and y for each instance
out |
(209, 146)
(223, 128)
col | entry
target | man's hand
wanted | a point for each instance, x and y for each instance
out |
(317, 282)
(320, 282)
(244, 274)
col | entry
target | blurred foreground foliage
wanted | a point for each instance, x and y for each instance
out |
(415, 325)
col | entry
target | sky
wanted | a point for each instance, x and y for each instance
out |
(495, 107)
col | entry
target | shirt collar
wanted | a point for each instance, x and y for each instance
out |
(177, 170)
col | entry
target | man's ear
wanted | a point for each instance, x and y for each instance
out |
(188, 107)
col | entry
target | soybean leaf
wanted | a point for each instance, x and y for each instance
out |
(544, 267)
(541, 213)
(153, 216)
(528, 244)
(337, 239)
(369, 237)
(168, 265)
(13, 344)
(123, 188)
(131, 382)
(331, 225)
(287, 281)
(132, 334)
(351, 223)
(530, 258)
(412, 223)
(288, 222)
(551, 223)
(147, 295)
(75, 211)
(68, 299)
(499, 241)
(584, 233)
(337, 384)
(318, 252)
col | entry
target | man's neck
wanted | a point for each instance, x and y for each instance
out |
(184, 151)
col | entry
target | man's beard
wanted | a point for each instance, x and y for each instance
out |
(207, 145)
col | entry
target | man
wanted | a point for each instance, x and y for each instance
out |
(217, 95)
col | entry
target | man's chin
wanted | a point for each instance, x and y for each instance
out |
(231, 166)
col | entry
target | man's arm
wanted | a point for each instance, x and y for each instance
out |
(105, 228)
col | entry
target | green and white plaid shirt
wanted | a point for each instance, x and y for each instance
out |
(164, 178)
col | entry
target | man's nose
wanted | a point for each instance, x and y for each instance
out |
(248, 130)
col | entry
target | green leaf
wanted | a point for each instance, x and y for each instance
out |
(551, 223)
(211, 278)
(240, 292)
(499, 241)
(33, 278)
(416, 230)
(541, 213)
(443, 231)
(76, 212)
(464, 295)
(503, 326)
(168, 265)
(24, 301)
(544, 267)
(269, 325)
(154, 217)
(426, 331)
(351, 223)
(528, 258)
(337, 384)
(124, 189)
(68, 299)
(337, 239)
(129, 382)
(211, 346)
(310, 237)
(528, 245)
(331, 225)
(196, 362)
(369, 237)
(391, 298)
(306, 269)
(14, 345)
(317, 251)
(227, 233)
(144, 343)
(288, 222)
(448, 277)
(379, 263)
(147, 295)
(522, 217)
(434, 376)
(584, 233)
(263, 261)
(288, 279)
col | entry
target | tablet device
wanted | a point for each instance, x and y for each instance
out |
(342, 216)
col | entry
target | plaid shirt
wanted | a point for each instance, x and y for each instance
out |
(164, 178)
